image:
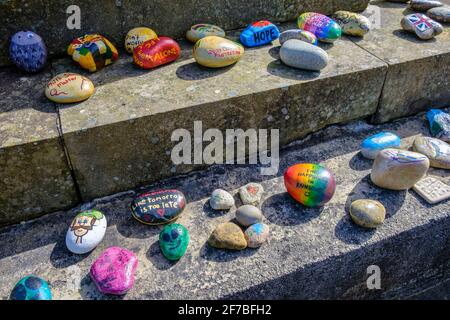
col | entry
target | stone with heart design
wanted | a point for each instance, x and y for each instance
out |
(424, 27)
(259, 33)
(69, 88)
(31, 288)
(173, 241)
(158, 207)
(251, 193)
(436, 150)
(441, 14)
(113, 272)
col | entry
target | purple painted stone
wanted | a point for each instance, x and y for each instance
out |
(113, 272)
(28, 51)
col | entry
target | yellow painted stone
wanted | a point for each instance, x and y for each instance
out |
(69, 88)
(202, 30)
(217, 52)
(137, 36)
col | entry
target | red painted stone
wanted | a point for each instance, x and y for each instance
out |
(156, 52)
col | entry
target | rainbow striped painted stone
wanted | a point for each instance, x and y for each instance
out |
(324, 28)
(310, 184)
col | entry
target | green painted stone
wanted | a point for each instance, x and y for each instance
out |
(173, 241)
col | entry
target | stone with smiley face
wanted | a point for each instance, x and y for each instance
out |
(173, 241)
(86, 231)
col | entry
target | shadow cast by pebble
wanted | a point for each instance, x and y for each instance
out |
(89, 291)
(223, 255)
(211, 213)
(277, 68)
(131, 228)
(155, 256)
(193, 71)
(349, 232)
(402, 34)
(62, 258)
(360, 163)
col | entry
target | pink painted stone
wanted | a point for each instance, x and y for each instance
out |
(113, 272)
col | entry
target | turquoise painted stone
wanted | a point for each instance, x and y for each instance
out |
(259, 33)
(439, 122)
(31, 288)
(380, 141)
(173, 241)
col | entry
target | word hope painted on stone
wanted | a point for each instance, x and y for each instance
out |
(259, 33)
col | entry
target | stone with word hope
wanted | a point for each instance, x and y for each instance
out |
(247, 215)
(377, 142)
(251, 193)
(259, 33)
(92, 52)
(298, 34)
(69, 88)
(199, 31)
(113, 272)
(173, 241)
(138, 36)
(156, 52)
(441, 14)
(324, 28)
(228, 236)
(86, 231)
(367, 213)
(432, 190)
(437, 151)
(424, 27)
(310, 184)
(351, 23)
(217, 52)
(158, 207)
(28, 51)
(397, 169)
(257, 234)
(31, 288)
(439, 122)
(424, 5)
(302, 55)
(221, 200)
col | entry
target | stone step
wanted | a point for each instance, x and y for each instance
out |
(313, 253)
(121, 137)
(116, 18)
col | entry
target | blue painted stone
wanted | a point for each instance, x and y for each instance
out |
(374, 144)
(27, 51)
(439, 124)
(31, 288)
(259, 33)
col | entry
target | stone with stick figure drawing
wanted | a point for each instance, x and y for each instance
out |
(86, 231)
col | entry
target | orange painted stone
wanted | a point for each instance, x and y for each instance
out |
(156, 52)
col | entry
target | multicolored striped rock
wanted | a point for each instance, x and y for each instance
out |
(298, 34)
(138, 36)
(352, 23)
(217, 52)
(173, 241)
(28, 51)
(324, 28)
(92, 52)
(69, 88)
(259, 33)
(199, 31)
(310, 184)
(156, 52)
(31, 288)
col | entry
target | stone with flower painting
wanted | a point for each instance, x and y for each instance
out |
(86, 231)
(69, 88)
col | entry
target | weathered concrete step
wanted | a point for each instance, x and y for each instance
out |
(115, 18)
(312, 253)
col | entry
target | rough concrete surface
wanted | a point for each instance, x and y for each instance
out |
(312, 253)
(115, 18)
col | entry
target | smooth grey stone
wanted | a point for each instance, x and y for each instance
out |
(247, 215)
(441, 14)
(424, 5)
(221, 200)
(302, 55)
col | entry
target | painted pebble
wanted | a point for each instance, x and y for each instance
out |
(251, 193)
(138, 36)
(228, 236)
(439, 122)
(28, 51)
(217, 52)
(69, 88)
(247, 215)
(374, 144)
(424, 27)
(301, 55)
(441, 14)
(298, 34)
(396, 169)
(199, 31)
(113, 272)
(156, 52)
(31, 288)
(432, 190)
(92, 52)
(424, 5)
(310, 184)
(259, 33)
(158, 207)
(437, 151)
(256, 235)
(173, 241)
(351, 23)
(324, 28)
(221, 200)
(86, 231)
(367, 213)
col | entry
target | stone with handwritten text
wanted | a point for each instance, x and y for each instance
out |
(69, 88)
